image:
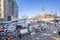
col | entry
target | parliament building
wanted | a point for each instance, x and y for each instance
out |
(46, 17)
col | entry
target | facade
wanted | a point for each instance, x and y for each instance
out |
(48, 17)
(43, 12)
(8, 10)
(45, 17)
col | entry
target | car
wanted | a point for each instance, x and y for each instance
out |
(1, 30)
(11, 28)
(23, 31)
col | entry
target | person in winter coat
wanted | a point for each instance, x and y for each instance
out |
(0, 37)
(8, 38)
(58, 31)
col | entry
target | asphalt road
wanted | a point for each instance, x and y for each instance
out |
(46, 34)
(39, 37)
(42, 35)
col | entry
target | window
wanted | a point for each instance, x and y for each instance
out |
(0, 0)
(0, 5)
(0, 9)
(0, 14)
(9, 18)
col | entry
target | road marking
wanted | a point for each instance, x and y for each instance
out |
(46, 34)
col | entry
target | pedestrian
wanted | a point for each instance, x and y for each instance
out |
(1, 37)
(19, 33)
(41, 28)
(8, 38)
(58, 31)
(30, 29)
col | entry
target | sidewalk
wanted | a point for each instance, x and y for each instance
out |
(56, 37)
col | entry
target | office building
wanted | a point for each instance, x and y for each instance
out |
(8, 10)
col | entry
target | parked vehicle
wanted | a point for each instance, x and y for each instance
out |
(11, 28)
(22, 30)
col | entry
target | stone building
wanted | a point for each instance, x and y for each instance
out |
(45, 17)
(8, 10)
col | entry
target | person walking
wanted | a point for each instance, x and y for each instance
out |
(8, 38)
(30, 29)
(19, 31)
(58, 31)
(1, 37)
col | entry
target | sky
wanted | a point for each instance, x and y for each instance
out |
(34, 7)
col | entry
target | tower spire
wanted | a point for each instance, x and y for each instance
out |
(43, 8)
(43, 11)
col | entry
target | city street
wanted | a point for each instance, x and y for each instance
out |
(29, 20)
(39, 36)
(42, 35)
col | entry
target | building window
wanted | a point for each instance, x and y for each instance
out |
(0, 9)
(0, 14)
(0, 5)
(9, 18)
(0, 0)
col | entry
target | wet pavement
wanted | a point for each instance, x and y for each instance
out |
(46, 34)
(42, 35)
(38, 37)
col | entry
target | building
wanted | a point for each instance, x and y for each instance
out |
(48, 17)
(14, 10)
(45, 17)
(8, 10)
